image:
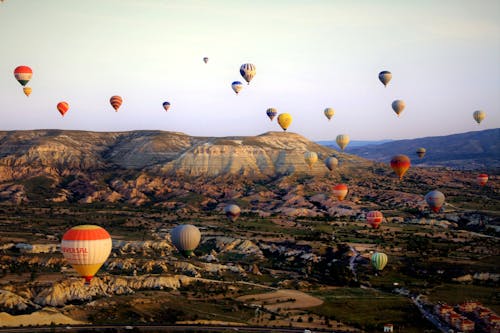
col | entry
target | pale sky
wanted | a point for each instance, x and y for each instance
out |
(309, 55)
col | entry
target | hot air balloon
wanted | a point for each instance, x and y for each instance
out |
(284, 120)
(421, 152)
(248, 72)
(232, 212)
(116, 102)
(435, 200)
(205, 60)
(340, 191)
(186, 238)
(27, 91)
(374, 218)
(310, 158)
(86, 248)
(400, 164)
(237, 86)
(23, 74)
(479, 116)
(379, 260)
(166, 105)
(342, 140)
(331, 163)
(385, 77)
(329, 112)
(62, 107)
(482, 179)
(271, 113)
(398, 106)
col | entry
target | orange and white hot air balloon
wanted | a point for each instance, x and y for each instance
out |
(340, 191)
(400, 164)
(482, 179)
(86, 248)
(374, 218)
(62, 107)
(116, 101)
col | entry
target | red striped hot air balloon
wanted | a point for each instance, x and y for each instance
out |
(482, 179)
(62, 107)
(116, 102)
(86, 248)
(340, 191)
(374, 218)
(23, 74)
(400, 164)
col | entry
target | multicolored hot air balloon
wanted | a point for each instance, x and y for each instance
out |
(166, 105)
(310, 157)
(331, 163)
(284, 120)
(237, 86)
(374, 218)
(248, 72)
(271, 113)
(27, 91)
(116, 102)
(185, 238)
(482, 179)
(435, 200)
(329, 112)
(379, 260)
(342, 140)
(340, 191)
(400, 164)
(23, 74)
(398, 106)
(232, 212)
(421, 152)
(479, 116)
(62, 107)
(385, 77)
(86, 248)
(205, 60)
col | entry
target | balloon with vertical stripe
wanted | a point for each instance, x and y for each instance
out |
(248, 71)
(86, 248)
(479, 116)
(379, 260)
(185, 238)
(271, 113)
(342, 140)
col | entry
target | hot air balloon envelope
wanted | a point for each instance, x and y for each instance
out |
(479, 116)
(374, 218)
(185, 238)
(166, 106)
(284, 120)
(331, 163)
(385, 77)
(271, 113)
(435, 200)
(379, 260)
(62, 107)
(342, 140)
(86, 248)
(340, 191)
(248, 72)
(400, 164)
(329, 112)
(237, 86)
(232, 212)
(116, 102)
(398, 106)
(310, 158)
(23, 74)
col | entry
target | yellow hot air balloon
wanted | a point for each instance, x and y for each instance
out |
(284, 120)
(479, 116)
(421, 152)
(27, 91)
(379, 260)
(398, 106)
(329, 112)
(342, 140)
(86, 248)
(311, 158)
(186, 238)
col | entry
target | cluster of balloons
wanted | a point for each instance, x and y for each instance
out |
(247, 71)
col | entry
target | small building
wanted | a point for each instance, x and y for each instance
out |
(388, 328)
(469, 306)
(466, 325)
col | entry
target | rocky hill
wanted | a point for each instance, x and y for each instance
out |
(471, 151)
(63, 166)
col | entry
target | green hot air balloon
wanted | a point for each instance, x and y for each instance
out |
(379, 260)
(185, 238)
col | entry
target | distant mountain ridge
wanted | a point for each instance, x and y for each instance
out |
(469, 151)
(353, 143)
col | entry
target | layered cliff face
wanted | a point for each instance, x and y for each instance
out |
(133, 167)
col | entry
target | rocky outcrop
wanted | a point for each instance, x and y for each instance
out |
(13, 303)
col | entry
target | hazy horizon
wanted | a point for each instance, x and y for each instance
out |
(309, 56)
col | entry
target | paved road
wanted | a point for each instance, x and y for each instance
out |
(166, 328)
